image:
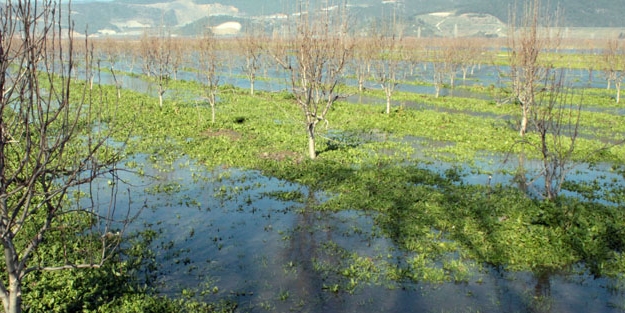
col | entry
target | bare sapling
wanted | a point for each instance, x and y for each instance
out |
(209, 69)
(53, 145)
(438, 70)
(361, 62)
(252, 47)
(315, 56)
(388, 46)
(555, 119)
(533, 35)
(158, 55)
(614, 66)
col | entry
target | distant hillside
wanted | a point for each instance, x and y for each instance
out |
(424, 17)
(576, 13)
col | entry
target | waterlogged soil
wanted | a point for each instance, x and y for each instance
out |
(227, 234)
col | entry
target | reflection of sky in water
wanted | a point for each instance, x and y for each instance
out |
(271, 78)
(262, 252)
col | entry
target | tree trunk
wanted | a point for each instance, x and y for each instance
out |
(524, 120)
(12, 296)
(617, 85)
(388, 101)
(312, 153)
(361, 83)
(549, 174)
(160, 98)
(212, 113)
(15, 297)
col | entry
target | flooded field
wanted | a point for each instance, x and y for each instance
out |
(226, 234)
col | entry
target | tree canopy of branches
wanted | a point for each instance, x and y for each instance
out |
(252, 46)
(614, 66)
(555, 118)
(387, 50)
(528, 38)
(159, 59)
(549, 109)
(315, 57)
(50, 150)
(209, 69)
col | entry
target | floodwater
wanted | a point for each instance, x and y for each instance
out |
(225, 234)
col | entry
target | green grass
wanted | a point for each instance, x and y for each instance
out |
(447, 229)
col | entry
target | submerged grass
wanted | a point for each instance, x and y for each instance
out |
(446, 226)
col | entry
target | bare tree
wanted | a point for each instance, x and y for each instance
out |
(47, 150)
(179, 48)
(547, 105)
(527, 41)
(449, 60)
(209, 68)
(110, 52)
(387, 43)
(468, 53)
(320, 51)
(609, 57)
(438, 70)
(252, 47)
(614, 66)
(555, 118)
(361, 61)
(414, 57)
(159, 59)
(131, 55)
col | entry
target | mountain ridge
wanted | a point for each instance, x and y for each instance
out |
(188, 17)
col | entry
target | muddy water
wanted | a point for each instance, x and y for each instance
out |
(223, 235)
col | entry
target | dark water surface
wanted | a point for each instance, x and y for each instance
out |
(225, 234)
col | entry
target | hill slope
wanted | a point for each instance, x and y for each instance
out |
(132, 17)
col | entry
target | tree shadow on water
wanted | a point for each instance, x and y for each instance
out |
(445, 230)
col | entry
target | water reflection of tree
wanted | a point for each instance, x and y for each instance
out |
(515, 294)
(305, 249)
(541, 299)
(440, 226)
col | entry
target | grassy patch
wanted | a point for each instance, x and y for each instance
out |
(366, 164)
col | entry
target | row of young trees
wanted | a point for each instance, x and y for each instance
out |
(376, 58)
(382, 58)
(316, 55)
(319, 50)
(613, 65)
